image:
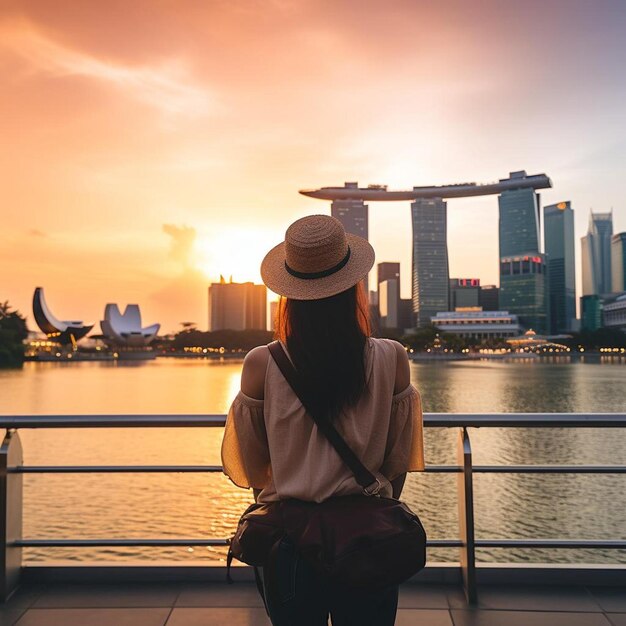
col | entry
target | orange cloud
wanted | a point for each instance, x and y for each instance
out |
(166, 87)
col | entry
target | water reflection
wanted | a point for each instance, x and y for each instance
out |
(207, 505)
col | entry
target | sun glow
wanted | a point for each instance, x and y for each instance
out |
(234, 252)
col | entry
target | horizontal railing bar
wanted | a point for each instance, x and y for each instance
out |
(552, 543)
(433, 469)
(447, 420)
(120, 543)
(111, 421)
(113, 469)
(434, 543)
(529, 469)
(125, 543)
(443, 469)
(527, 420)
(550, 469)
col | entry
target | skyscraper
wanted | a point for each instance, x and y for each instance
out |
(353, 214)
(618, 263)
(596, 254)
(559, 248)
(522, 266)
(237, 306)
(430, 259)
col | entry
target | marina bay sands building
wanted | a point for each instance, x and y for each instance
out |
(430, 272)
(522, 266)
(353, 215)
(523, 269)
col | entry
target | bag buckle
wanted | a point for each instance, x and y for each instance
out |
(373, 489)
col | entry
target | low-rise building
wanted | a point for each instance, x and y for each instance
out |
(477, 324)
(615, 313)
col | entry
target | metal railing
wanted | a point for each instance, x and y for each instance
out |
(12, 471)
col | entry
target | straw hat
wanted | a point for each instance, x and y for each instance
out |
(318, 259)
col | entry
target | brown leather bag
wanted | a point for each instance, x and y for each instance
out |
(364, 541)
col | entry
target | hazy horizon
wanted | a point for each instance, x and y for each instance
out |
(149, 148)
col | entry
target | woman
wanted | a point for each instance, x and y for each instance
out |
(273, 446)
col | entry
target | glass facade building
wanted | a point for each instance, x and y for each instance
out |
(559, 249)
(523, 282)
(596, 254)
(523, 276)
(430, 274)
(489, 297)
(591, 312)
(353, 214)
(618, 263)
(519, 222)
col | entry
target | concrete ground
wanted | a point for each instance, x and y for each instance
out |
(212, 604)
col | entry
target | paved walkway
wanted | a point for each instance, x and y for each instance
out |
(214, 604)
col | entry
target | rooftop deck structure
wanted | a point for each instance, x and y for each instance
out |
(466, 593)
(380, 193)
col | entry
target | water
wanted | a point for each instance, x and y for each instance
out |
(208, 505)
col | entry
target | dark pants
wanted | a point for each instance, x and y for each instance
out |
(295, 595)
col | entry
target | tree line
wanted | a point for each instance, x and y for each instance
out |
(13, 332)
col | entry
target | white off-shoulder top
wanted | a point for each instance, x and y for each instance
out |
(274, 445)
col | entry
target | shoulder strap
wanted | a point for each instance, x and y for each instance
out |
(371, 485)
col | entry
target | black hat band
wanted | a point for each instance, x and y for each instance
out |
(322, 274)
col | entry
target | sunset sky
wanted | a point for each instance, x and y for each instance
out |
(150, 146)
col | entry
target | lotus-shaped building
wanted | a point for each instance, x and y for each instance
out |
(124, 330)
(63, 332)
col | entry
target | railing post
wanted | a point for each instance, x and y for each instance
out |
(466, 516)
(10, 514)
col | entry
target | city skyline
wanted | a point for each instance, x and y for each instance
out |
(165, 147)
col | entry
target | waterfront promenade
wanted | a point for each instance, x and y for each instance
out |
(468, 593)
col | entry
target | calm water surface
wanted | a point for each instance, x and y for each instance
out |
(208, 505)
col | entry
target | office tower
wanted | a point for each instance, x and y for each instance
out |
(618, 263)
(353, 214)
(388, 303)
(596, 254)
(489, 298)
(522, 267)
(559, 249)
(388, 271)
(237, 306)
(430, 259)
(464, 293)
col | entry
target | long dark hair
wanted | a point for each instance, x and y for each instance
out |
(326, 340)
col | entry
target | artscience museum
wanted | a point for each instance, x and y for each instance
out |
(123, 333)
